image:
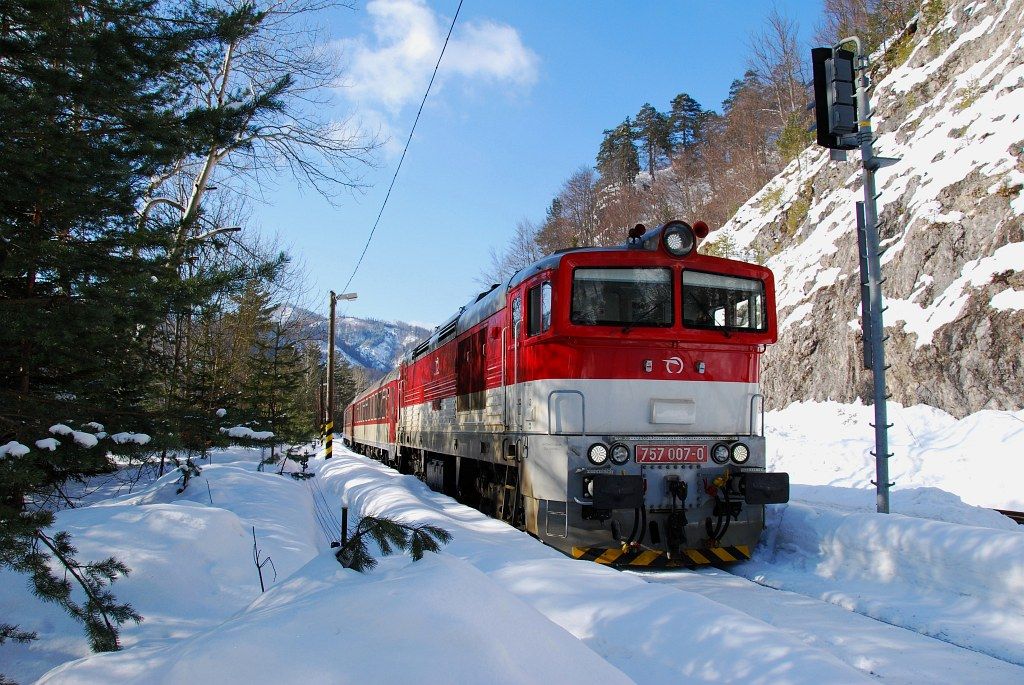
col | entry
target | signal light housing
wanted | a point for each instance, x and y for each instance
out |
(835, 98)
(678, 238)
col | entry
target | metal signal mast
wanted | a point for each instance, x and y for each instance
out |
(843, 122)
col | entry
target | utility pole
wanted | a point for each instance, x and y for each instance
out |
(329, 419)
(843, 112)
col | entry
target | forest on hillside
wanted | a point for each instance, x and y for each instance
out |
(693, 162)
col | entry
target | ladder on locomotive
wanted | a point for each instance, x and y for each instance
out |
(508, 504)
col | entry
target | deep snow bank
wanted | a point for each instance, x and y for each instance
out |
(436, 621)
(976, 458)
(191, 562)
(961, 584)
(652, 633)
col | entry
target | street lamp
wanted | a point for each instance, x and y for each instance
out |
(329, 423)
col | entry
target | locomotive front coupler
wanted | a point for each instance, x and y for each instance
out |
(675, 523)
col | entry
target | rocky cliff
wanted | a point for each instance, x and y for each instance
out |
(949, 102)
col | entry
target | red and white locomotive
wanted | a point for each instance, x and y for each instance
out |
(606, 399)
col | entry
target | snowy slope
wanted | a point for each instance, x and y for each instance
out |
(951, 219)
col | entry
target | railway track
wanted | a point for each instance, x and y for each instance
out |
(1017, 516)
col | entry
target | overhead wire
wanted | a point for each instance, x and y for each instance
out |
(405, 150)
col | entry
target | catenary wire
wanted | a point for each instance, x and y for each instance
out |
(404, 151)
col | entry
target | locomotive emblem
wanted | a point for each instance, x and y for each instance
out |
(673, 365)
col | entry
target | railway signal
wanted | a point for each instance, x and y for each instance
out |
(835, 98)
(843, 118)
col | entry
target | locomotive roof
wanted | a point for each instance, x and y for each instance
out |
(491, 301)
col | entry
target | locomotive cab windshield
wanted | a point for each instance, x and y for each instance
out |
(621, 296)
(727, 302)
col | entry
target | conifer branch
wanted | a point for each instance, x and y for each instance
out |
(390, 536)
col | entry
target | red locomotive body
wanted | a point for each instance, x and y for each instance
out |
(607, 399)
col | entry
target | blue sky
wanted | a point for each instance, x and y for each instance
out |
(521, 100)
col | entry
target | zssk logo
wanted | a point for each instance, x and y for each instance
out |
(673, 365)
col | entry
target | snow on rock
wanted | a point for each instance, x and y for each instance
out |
(949, 105)
(98, 427)
(436, 618)
(247, 433)
(50, 444)
(1008, 300)
(125, 438)
(13, 449)
(221, 413)
(61, 429)
(924, 321)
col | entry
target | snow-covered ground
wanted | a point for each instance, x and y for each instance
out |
(865, 597)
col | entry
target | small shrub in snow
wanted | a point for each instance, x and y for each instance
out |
(970, 95)
(390, 536)
(722, 246)
(770, 200)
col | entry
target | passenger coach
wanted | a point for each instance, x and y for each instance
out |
(606, 399)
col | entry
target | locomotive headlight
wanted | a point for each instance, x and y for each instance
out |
(720, 453)
(620, 454)
(678, 238)
(740, 453)
(597, 454)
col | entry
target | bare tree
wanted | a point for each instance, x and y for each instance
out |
(775, 58)
(572, 219)
(520, 251)
(270, 86)
(874, 21)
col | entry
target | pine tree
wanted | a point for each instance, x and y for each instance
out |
(685, 122)
(390, 536)
(90, 94)
(651, 130)
(617, 159)
(275, 371)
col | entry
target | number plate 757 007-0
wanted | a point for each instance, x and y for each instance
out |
(671, 454)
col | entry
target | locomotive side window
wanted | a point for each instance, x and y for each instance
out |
(539, 309)
(725, 302)
(517, 316)
(622, 296)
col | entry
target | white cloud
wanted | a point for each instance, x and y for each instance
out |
(390, 69)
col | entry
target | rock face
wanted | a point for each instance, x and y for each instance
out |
(951, 222)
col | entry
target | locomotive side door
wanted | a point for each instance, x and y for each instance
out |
(513, 392)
